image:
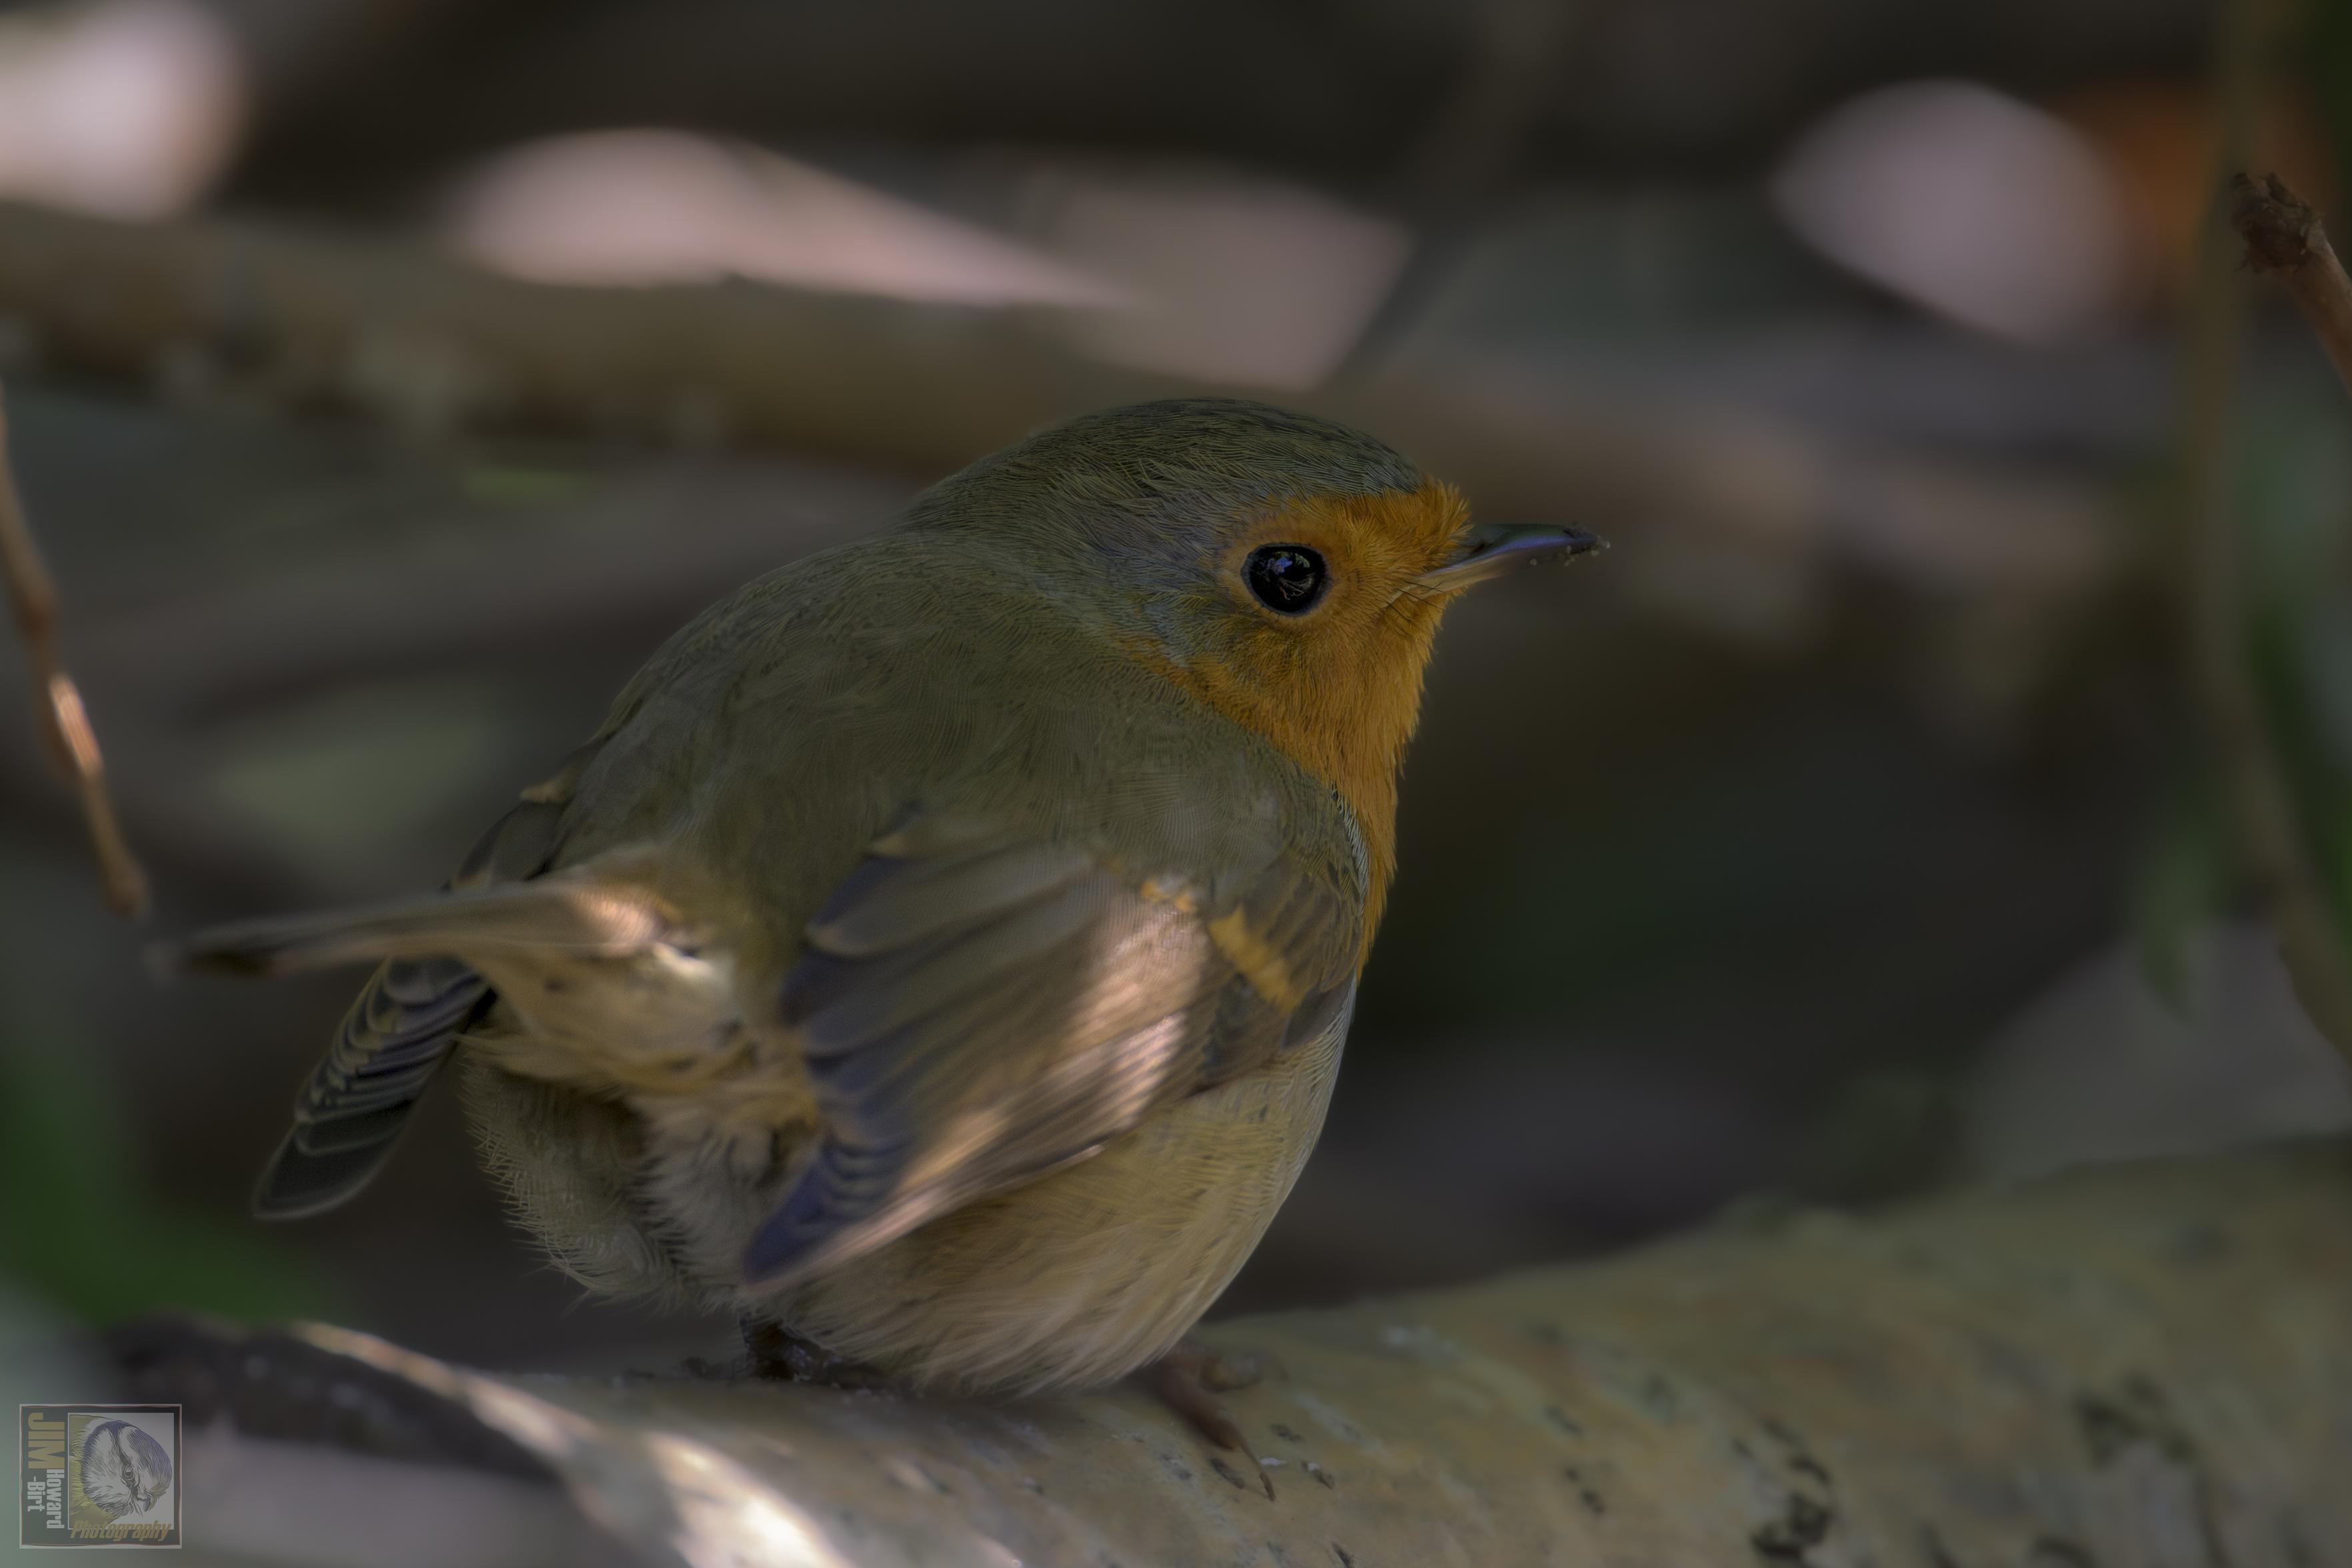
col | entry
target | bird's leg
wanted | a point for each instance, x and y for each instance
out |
(778, 1352)
(1222, 1373)
(1188, 1380)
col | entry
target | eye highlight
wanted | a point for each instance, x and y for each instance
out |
(1286, 578)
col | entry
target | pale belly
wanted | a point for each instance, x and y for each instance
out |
(1073, 1280)
(1085, 1275)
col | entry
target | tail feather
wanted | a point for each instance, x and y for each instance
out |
(552, 913)
(391, 1042)
(410, 1015)
(297, 1184)
(353, 1129)
(423, 996)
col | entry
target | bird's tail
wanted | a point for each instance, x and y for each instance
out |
(561, 912)
(434, 954)
(351, 1112)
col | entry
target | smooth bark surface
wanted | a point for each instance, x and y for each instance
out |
(2148, 1365)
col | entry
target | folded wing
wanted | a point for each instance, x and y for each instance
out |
(975, 1012)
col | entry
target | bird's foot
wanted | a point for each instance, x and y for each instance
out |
(779, 1354)
(1188, 1380)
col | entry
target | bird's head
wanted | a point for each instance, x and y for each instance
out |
(1287, 571)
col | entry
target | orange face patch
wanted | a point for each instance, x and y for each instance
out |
(1337, 686)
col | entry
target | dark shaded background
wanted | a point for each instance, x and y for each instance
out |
(1818, 844)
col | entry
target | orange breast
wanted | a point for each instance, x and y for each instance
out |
(1339, 692)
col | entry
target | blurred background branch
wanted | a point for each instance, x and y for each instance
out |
(303, 322)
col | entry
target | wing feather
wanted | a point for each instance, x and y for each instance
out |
(975, 1013)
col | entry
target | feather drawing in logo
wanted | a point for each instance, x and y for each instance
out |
(125, 1473)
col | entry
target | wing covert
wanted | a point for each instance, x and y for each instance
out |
(975, 1012)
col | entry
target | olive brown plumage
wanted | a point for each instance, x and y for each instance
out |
(943, 950)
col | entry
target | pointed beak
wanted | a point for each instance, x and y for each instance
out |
(1490, 549)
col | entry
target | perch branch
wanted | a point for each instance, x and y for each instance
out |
(63, 719)
(2142, 1365)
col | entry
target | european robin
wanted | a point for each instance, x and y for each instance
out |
(943, 953)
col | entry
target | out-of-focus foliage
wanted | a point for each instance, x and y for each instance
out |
(82, 1224)
(2291, 468)
(2324, 52)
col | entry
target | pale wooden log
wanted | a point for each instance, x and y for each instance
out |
(2149, 1366)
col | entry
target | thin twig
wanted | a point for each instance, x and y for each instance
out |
(64, 721)
(2259, 795)
(2285, 240)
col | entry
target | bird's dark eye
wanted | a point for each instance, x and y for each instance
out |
(1286, 579)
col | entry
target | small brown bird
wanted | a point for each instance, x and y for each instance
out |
(943, 953)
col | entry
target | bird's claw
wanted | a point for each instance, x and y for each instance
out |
(783, 1357)
(1188, 1379)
